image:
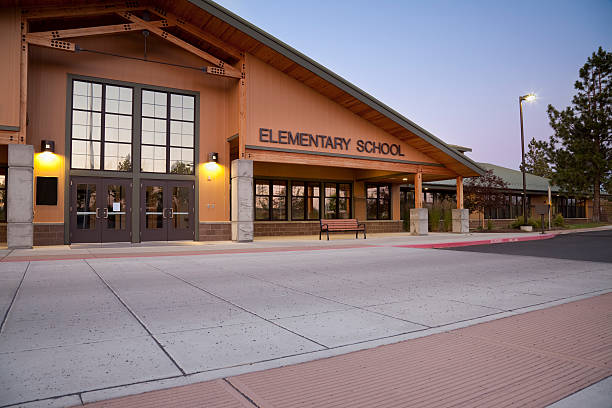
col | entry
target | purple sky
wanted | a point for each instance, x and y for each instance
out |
(455, 68)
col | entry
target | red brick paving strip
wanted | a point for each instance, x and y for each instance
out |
(217, 393)
(528, 360)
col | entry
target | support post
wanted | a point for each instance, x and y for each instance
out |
(20, 197)
(460, 216)
(242, 200)
(419, 217)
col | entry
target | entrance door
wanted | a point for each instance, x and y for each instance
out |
(167, 210)
(100, 209)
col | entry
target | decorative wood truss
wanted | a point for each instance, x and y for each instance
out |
(127, 10)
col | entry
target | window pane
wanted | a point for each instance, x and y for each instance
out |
(262, 208)
(85, 155)
(297, 189)
(297, 208)
(117, 156)
(262, 188)
(279, 188)
(344, 190)
(313, 208)
(314, 190)
(383, 207)
(371, 208)
(279, 208)
(371, 192)
(344, 208)
(330, 207)
(330, 190)
(181, 161)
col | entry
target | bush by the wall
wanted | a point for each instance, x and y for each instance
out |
(559, 221)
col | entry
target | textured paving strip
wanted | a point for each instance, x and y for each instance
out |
(528, 360)
(217, 394)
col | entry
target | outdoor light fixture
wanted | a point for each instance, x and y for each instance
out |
(47, 146)
(529, 98)
(404, 179)
(213, 157)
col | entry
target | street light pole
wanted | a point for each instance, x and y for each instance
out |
(528, 98)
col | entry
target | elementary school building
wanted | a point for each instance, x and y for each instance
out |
(178, 120)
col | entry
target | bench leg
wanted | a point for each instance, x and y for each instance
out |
(319, 235)
(364, 234)
(328, 235)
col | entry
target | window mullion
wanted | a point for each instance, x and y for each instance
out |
(102, 126)
(167, 133)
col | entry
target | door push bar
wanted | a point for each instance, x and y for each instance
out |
(101, 212)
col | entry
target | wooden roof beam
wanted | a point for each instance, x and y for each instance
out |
(50, 43)
(203, 35)
(88, 31)
(221, 68)
(57, 12)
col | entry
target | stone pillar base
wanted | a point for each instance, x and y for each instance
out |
(242, 200)
(419, 221)
(20, 196)
(461, 220)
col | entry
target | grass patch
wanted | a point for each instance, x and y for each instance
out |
(587, 225)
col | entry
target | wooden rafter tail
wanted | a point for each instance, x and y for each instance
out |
(50, 43)
(228, 70)
(88, 31)
(53, 12)
(203, 35)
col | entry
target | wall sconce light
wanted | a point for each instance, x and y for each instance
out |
(47, 146)
(213, 157)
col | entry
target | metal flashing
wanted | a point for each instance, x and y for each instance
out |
(346, 156)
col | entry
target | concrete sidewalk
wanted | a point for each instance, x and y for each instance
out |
(268, 244)
(530, 360)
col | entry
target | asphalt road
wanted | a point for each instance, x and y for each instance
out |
(588, 246)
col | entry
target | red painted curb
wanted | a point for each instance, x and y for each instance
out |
(67, 257)
(481, 242)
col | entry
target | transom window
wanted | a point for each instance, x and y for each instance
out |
(378, 201)
(101, 126)
(167, 133)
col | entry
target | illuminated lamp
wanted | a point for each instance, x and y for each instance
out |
(213, 157)
(47, 146)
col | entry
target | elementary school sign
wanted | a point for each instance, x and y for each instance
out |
(327, 142)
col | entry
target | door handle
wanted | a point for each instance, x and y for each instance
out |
(167, 213)
(98, 212)
(105, 212)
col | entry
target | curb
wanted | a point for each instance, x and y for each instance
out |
(481, 242)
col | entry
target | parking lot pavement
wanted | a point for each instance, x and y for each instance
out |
(585, 246)
(95, 328)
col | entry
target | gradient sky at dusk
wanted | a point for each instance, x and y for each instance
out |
(455, 68)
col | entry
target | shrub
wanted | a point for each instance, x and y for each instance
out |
(559, 221)
(448, 220)
(489, 225)
(519, 221)
(406, 220)
(434, 218)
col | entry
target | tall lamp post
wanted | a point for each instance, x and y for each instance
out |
(529, 97)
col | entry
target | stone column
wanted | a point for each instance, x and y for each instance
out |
(20, 196)
(461, 220)
(242, 200)
(419, 216)
(419, 221)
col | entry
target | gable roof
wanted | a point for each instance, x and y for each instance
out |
(514, 179)
(350, 96)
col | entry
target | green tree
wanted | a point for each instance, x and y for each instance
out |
(536, 159)
(581, 146)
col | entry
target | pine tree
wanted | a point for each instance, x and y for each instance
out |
(581, 147)
(536, 159)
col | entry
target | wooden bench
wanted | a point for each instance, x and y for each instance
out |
(342, 225)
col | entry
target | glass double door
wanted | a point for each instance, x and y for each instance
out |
(167, 210)
(100, 209)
